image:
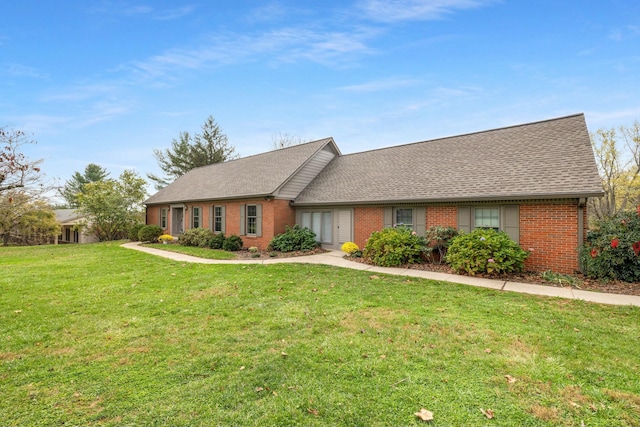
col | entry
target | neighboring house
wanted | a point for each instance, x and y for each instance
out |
(531, 181)
(70, 220)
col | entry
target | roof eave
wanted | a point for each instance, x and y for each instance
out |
(456, 200)
(248, 196)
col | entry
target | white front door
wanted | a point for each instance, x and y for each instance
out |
(344, 226)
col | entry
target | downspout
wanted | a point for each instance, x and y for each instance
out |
(581, 204)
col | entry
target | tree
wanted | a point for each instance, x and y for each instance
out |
(111, 206)
(285, 140)
(16, 170)
(187, 152)
(25, 218)
(617, 155)
(75, 185)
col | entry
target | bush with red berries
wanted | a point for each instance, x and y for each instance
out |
(612, 249)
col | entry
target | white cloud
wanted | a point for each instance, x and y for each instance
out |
(381, 85)
(285, 45)
(415, 10)
(168, 15)
(19, 70)
(624, 33)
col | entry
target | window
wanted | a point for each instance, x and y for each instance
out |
(252, 219)
(195, 217)
(163, 218)
(404, 217)
(218, 219)
(498, 217)
(320, 223)
(487, 218)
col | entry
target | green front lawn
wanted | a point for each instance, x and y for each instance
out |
(194, 251)
(102, 335)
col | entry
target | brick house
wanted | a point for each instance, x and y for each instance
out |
(531, 181)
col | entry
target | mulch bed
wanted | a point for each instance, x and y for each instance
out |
(246, 254)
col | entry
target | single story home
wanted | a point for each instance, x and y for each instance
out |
(531, 181)
(70, 221)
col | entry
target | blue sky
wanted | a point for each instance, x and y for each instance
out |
(106, 82)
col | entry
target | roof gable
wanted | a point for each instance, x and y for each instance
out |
(253, 176)
(547, 159)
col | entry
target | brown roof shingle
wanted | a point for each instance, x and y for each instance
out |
(546, 159)
(258, 175)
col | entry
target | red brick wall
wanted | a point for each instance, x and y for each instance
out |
(550, 233)
(443, 216)
(153, 215)
(366, 221)
(275, 215)
(548, 230)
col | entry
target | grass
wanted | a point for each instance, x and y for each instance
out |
(102, 335)
(194, 251)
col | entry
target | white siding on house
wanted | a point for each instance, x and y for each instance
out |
(306, 174)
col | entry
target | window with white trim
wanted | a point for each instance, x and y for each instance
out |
(497, 217)
(487, 218)
(217, 219)
(163, 217)
(252, 219)
(195, 217)
(403, 218)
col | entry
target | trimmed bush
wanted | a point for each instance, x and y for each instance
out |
(438, 241)
(217, 241)
(392, 247)
(612, 250)
(133, 232)
(232, 243)
(199, 237)
(485, 251)
(150, 233)
(294, 238)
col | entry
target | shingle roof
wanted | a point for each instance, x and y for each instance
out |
(258, 175)
(546, 159)
(66, 215)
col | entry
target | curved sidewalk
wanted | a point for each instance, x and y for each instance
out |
(335, 258)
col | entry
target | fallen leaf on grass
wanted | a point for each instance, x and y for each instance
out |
(17, 311)
(424, 415)
(487, 350)
(283, 354)
(510, 379)
(259, 389)
(593, 408)
(374, 277)
(313, 411)
(487, 413)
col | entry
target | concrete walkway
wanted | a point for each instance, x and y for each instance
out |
(335, 258)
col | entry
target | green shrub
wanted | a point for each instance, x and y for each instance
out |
(133, 232)
(150, 233)
(199, 237)
(438, 241)
(395, 246)
(485, 251)
(294, 238)
(232, 243)
(217, 241)
(612, 250)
